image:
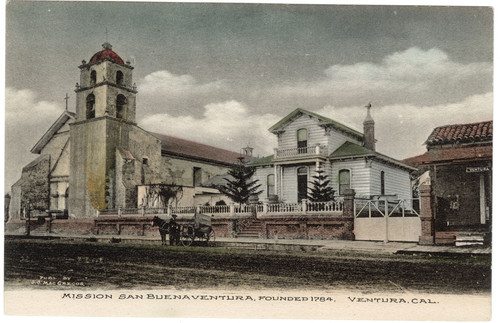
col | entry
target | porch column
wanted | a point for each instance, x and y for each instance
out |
(426, 218)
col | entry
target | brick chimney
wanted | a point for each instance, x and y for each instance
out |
(369, 130)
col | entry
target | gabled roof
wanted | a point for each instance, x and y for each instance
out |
(327, 121)
(61, 121)
(470, 132)
(175, 146)
(351, 150)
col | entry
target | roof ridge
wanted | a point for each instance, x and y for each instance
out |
(463, 124)
(193, 141)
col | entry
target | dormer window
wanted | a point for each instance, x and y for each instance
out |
(90, 113)
(302, 141)
(119, 78)
(121, 102)
(93, 78)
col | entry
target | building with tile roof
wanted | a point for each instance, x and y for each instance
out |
(458, 162)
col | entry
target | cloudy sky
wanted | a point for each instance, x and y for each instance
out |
(222, 74)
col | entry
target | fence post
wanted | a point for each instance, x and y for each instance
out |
(119, 211)
(264, 208)
(231, 209)
(349, 213)
(169, 210)
(426, 218)
(143, 211)
(349, 203)
(304, 206)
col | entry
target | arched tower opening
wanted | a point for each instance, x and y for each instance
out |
(90, 114)
(121, 105)
(119, 78)
(93, 78)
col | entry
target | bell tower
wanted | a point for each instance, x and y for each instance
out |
(105, 119)
(105, 87)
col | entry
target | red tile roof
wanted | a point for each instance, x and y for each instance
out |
(185, 148)
(449, 155)
(106, 53)
(472, 132)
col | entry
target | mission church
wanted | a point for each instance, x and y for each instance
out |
(99, 158)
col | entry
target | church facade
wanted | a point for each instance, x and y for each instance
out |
(98, 157)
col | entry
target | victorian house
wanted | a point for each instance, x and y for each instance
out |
(308, 142)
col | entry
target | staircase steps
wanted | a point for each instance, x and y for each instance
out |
(470, 239)
(252, 230)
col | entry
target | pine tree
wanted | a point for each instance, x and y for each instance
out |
(320, 190)
(240, 187)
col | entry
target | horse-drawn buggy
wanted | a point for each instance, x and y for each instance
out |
(199, 228)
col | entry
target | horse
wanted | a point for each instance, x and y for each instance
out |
(171, 228)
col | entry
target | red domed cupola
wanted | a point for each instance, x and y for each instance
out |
(106, 54)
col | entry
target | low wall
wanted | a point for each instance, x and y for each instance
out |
(290, 226)
(308, 227)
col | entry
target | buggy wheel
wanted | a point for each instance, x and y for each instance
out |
(187, 236)
(211, 238)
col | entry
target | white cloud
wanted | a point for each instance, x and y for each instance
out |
(226, 125)
(178, 85)
(26, 120)
(164, 91)
(412, 76)
(23, 108)
(401, 129)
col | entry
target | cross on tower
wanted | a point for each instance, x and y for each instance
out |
(66, 98)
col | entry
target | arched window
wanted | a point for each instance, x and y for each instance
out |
(90, 106)
(344, 180)
(382, 183)
(270, 185)
(93, 78)
(302, 183)
(119, 77)
(121, 103)
(302, 141)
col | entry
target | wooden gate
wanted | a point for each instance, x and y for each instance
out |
(387, 219)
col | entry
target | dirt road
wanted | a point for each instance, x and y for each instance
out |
(41, 263)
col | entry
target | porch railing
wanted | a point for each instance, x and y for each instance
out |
(300, 151)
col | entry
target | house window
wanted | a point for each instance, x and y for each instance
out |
(196, 176)
(119, 78)
(121, 102)
(302, 141)
(90, 106)
(382, 183)
(270, 185)
(302, 183)
(344, 180)
(93, 78)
